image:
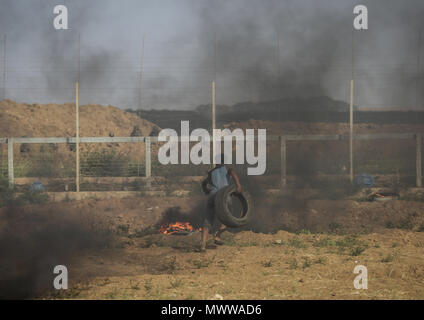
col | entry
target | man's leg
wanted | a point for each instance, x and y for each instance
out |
(208, 222)
(220, 231)
(217, 235)
(205, 232)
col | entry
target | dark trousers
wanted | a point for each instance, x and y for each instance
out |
(211, 220)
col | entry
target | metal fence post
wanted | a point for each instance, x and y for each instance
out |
(418, 161)
(148, 163)
(10, 162)
(283, 181)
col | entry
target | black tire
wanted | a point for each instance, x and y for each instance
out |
(224, 211)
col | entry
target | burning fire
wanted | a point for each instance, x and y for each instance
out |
(177, 227)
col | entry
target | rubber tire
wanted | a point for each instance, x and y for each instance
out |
(223, 212)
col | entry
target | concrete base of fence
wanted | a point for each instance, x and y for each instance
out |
(303, 193)
(102, 195)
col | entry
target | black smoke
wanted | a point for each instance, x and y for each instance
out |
(33, 242)
(263, 51)
(270, 50)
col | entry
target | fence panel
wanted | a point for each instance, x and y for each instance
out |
(131, 163)
(3, 161)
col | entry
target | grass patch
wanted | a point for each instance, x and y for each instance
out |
(230, 242)
(106, 163)
(297, 243)
(357, 251)
(388, 258)
(201, 263)
(406, 224)
(112, 294)
(334, 228)
(134, 286)
(267, 264)
(148, 285)
(326, 242)
(122, 229)
(248, 244)
(351, 242)
(10, 196)
(321, 260)
(306, 263)
(176, 283)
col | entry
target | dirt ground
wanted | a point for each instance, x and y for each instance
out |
(255, 266)
(112, 250)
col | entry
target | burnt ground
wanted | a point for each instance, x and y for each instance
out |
(295, 249)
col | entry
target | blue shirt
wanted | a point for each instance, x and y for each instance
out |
(220, 178)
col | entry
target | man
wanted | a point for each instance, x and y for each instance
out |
(220, 177)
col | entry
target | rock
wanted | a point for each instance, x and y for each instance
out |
(217, 296)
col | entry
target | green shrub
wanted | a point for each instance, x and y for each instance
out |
(45, 161)
(29, 196)
(105, 163)
(7, 194)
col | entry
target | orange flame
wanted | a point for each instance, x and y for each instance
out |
(176, 227)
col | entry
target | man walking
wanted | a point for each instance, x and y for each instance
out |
(220, 177)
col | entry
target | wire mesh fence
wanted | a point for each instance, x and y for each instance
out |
(3, 161)
(43, 160)
(129, 165)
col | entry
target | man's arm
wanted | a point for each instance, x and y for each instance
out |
(236, 179)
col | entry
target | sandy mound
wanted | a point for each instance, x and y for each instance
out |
(53, 120)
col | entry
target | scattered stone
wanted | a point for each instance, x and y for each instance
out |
(217, 296)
